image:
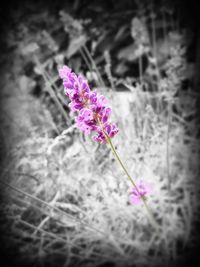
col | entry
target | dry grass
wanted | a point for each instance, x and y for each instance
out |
(68, 198)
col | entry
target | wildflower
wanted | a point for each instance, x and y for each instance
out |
(142, 190)
(93, 116)
(92, 108)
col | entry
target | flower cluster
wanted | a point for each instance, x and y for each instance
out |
(92, 107)
(142, 190)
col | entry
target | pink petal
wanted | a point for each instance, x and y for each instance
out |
(135, 200)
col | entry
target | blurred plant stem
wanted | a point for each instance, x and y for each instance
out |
(94, 66)
(149, 212)
(168, 144)
(91, 66)
(49, 85)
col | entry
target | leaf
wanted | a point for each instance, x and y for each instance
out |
(132, 52)
(75, 45)
(29, 49)
(139, 32)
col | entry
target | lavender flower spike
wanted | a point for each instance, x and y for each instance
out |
(92, 108)
(93, 116)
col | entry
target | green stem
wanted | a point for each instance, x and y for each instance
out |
(120, 162)
(151, 217)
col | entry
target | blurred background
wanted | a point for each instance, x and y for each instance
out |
(64, 199)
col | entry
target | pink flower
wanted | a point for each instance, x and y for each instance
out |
(93, 112)
(144, 189)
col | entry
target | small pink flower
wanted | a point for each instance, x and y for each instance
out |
(144, 189)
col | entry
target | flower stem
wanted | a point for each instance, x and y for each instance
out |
(151, 217)
(120, 162)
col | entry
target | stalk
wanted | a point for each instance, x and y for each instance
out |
(168, 145)
(140, 69)
(149, 212)
(94, 66)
